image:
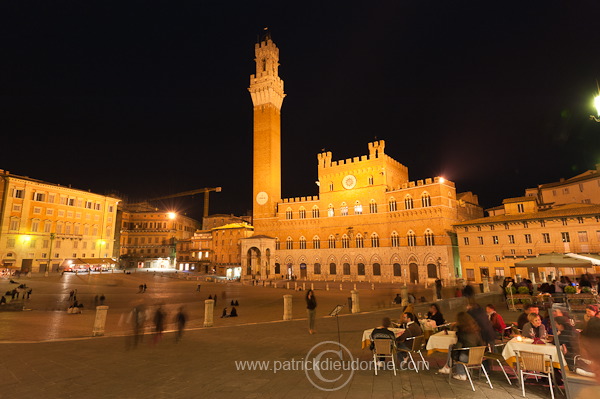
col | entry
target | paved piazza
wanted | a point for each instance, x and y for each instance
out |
(47, 353)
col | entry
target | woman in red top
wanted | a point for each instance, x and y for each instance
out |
(496, 319)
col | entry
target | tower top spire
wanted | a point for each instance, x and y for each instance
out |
(266, 36)
(266, 87)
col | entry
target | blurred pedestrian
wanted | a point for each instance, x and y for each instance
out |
(311, 306)
(180, 319)
(102, 298)
(438, 289)
(159, 323)
(145, 287)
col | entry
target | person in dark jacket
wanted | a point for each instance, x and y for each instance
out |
(311, 308)
(568, 338)
(404, 341)
(383, 332)
(468, 335)
(528, 308)
(468, 292)
(485, 325)
(435, 314)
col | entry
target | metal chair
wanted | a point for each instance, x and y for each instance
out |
(489, 354)
(475, 361)
(417, 347)
(534, 364)
(384, 348)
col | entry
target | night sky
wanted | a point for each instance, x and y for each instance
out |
(149, 98)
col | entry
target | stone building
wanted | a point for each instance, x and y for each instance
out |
(369, 221)
(491, 246)
(583, 188)
(149, 237)
(48, 227)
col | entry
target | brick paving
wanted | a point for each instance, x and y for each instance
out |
(203, 363)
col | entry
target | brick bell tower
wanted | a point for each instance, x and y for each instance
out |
(266, 89)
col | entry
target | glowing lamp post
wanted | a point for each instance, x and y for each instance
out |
(597, 106)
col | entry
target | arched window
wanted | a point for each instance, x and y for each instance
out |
(330, 210)
(372, 206)
(289, 244)
(425, 200)
(288, 213)
(345, 241)
(360, 242)
(392, 205)
(357, 208)
(315, 212)
(395, 239)
(431, 270)
(302, 213)
(332, 268)
(408, 202)
(331, 241)
(344, 209)
(397, 270)
(302, 242)
(316, 242)
(371, 180)
(374, 240)
(277, 243)
(330, 186)
(361, 269)
(317, 269)
(429, 238)
(346, 267)
(411, 238)
(376, 269)
(277, 268)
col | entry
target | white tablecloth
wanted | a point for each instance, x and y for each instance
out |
(513, 345)
(366, 338)
(441, 341)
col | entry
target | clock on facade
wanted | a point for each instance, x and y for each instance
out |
(349, 182)
(262, 198)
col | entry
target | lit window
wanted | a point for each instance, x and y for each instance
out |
(392, 205)
(425, 200)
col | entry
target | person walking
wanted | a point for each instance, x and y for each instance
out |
(159, 323)
(438, 289)
(180, 319)
(311, 306)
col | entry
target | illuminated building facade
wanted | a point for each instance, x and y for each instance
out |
(368, 221)
(491, 246)
(48, 227)
(149, 237)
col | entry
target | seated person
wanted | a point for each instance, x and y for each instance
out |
(233, 313)
(590, 311)
(435, 314)
(528, 308)
(534, 327)
(468, 335)
(383, 332)
(224, 314)
(497, 321)
(568, 337)
(404, 341)
(398, 299)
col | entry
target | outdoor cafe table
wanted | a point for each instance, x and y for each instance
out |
(440, 342)
(366, 338)
(514, 345)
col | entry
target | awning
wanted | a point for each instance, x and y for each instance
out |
(595, 259)
(93, 261)
(554, 260)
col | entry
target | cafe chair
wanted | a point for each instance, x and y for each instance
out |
(534, 364)
(417, 347)
(384, 348)
(499, 358)
(475, 361)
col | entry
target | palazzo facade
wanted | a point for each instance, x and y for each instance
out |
(368, 222)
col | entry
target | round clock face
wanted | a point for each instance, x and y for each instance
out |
(262, 198)
(349, 182)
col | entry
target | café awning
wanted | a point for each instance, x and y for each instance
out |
(554, 260)
(595, 259)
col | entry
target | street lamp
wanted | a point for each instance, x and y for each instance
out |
(597, 106)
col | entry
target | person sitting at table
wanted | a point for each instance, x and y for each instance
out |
(435, 314)
(496, 319)
(534, 327)
(590, 311)
(383, 332)
(404, 341)
(568, 337)
(468, 335)
(528, 308)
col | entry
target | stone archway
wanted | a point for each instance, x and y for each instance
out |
(413, 272)
(253, 262)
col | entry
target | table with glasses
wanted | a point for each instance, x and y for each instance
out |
(440, 342)
(366, 338)
(527, 345)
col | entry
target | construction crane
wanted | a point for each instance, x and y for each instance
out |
(206, 191)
